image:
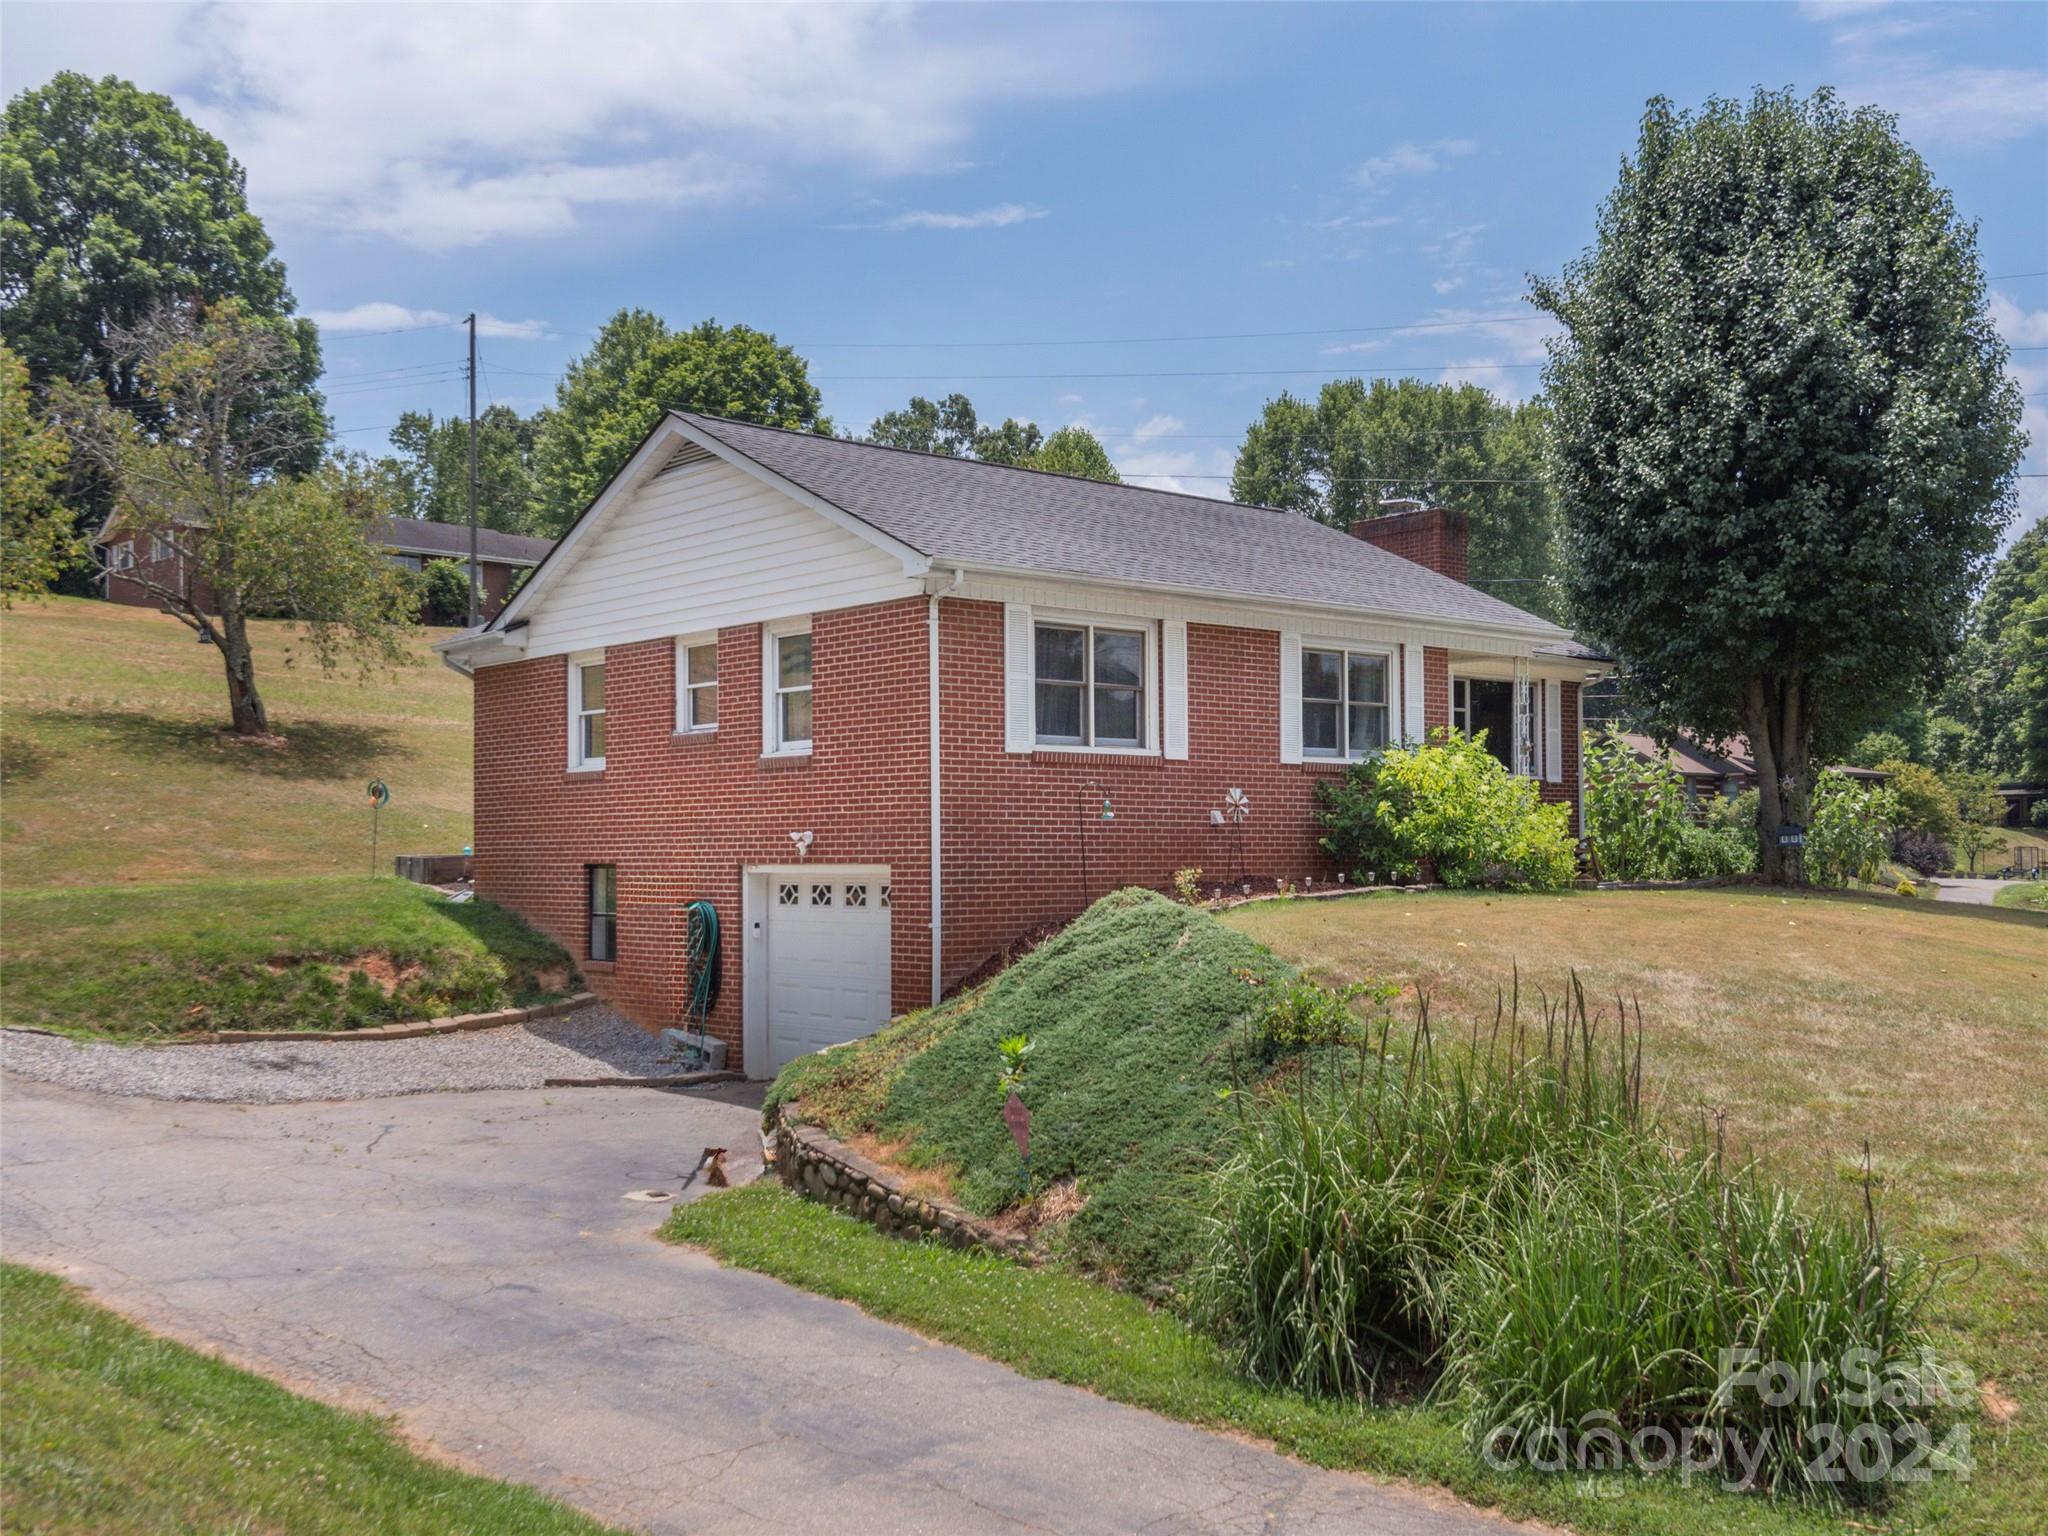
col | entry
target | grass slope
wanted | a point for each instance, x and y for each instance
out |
(108, 1430)
(116, 769)
(1130, 1011)
(2027, 896)
(337, 953)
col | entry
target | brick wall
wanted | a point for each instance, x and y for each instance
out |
(681, 816)
(1014, 823)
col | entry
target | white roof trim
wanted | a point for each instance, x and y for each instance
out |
(647, 460)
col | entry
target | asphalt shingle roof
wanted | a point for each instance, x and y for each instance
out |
(985, 515)
(421, 536)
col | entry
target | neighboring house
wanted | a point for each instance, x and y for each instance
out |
(1728, 771)
(126, 555)
(891, 712)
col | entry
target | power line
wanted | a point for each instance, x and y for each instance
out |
(1157, 373)
(1137, 341)
(402, 330)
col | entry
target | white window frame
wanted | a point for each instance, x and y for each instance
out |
(578, 763)
(687, 723)
(1345, 650)
(772, 636)
(1147, 631)
(122, 556)
(160, 549)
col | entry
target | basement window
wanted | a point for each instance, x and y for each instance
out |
(604, 911)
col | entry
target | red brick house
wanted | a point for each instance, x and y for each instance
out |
(888, 712)
(126, 555)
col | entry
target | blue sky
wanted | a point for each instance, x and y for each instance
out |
(1000, 199)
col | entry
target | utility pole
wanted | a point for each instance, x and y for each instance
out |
(475, 577)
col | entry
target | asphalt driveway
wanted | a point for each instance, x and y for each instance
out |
(469, 1262)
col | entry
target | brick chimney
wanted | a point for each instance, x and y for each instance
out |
(1433, 536)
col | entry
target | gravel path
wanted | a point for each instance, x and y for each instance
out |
(593, 1042)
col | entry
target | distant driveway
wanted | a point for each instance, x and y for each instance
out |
(1977, 893)
(468, 1262)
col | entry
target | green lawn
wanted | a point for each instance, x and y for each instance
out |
(339, 952)
(109, 1431)
(2024, 896)
(116, 767)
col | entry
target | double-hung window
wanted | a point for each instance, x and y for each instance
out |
(1089, 685)
(121, 557)
(1344, 710)
(604, 910)
(789, 691)
(697, 684)
(160, 549)
(586, 711)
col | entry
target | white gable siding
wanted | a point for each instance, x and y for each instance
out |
(704, 545)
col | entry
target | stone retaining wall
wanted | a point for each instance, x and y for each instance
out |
(458, 1024)
(820, 1168)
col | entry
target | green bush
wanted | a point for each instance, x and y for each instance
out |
(1451, 805)
(1705, 853)
(444, 592)
(1850, 832)
(1305, 1016)
(1636, 812)
(1925, 804)
(1506, 1221)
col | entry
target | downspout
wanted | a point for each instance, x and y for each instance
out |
(938, 869)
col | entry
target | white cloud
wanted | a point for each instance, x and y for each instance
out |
(1960, 105)
(1445, 285)
(1409, 159)
(2020, 327)
(1001, 216)
(1150, 455)
(382, 315)
(444, 126)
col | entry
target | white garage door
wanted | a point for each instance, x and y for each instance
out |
(828, 959)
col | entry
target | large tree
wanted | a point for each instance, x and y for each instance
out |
(1357, 444)
(212, 485)
(429, 472)
(113, 204)
(1988, 716)
(952, 428)
(1783, 436)
(37, 539)
(637, 368)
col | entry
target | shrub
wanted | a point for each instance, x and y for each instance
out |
(1850, 834)
(1734, 813)
(1879, 749)
(444, 592)
(1635, 811)
(2039, 817)
(1921, 853)
(1507, 1217)
(1706, 853)
(1449, 804)
(1925, 804)
(1306, 1015)
(1187, 886)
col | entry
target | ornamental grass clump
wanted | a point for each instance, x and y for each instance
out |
(1499, 1221)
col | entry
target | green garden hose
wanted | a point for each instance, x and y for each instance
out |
(701, 949)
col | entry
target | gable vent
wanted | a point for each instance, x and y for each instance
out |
(684, 456)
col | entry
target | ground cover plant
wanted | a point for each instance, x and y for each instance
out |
(1134, 1015)
(116, 768)
(153, 962)
(108, 1429)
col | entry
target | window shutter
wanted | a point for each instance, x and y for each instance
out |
(1290, 696)
(1017, 714)
(1411, 692)
(1173, 686)
(1553, 731)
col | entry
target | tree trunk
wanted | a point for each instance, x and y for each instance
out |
(1780, 732)
(250, 717)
